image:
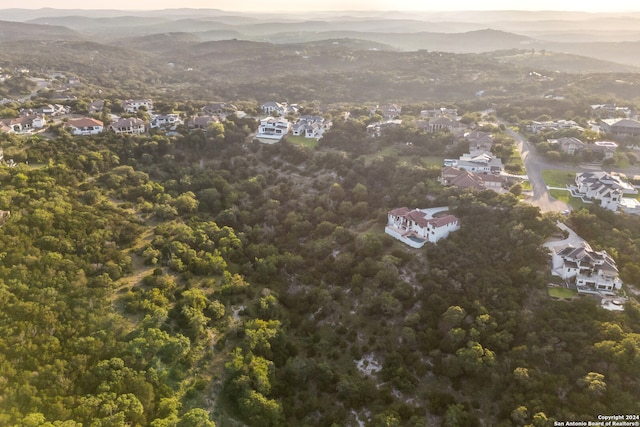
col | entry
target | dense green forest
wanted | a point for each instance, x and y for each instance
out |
(178, 281)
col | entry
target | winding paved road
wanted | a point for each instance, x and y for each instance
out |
(534, 166)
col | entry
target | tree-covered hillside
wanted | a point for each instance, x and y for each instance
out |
(170, 281)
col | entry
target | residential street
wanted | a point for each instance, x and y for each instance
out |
(534, 166)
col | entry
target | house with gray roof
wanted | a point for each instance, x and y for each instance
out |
(310, 127)
(590, 271)
(569, 145)
(605, 187)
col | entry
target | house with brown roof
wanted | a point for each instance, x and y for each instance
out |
(416, 227)
(129, 126)
(22, 124)
(462, 178)
(85, 126)
(201, 122)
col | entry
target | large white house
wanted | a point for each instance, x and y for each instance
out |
(165, 120)
(604, 187)
(23, 124)
(85, 126)
(273, 128)
(479, 162)
(416, 227)
(133, 105)
(310, 127)
(281, 109)
(591, 271)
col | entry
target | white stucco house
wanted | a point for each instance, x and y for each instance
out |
(85, 126)
(273, 128)
(479, 162)
(133, 105)
(607, 188)
(590, 271)
(165, 120)
(23, 124)
(310, 127)
(416, 227)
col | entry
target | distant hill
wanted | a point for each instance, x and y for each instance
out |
(470, 42)
(11, 31)
(165, 43)
(560, 62)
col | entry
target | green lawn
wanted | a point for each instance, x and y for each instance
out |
(432, 161)
(37, 165)
(558, 178)
(301, 140)
(565, 196)
(557, 292)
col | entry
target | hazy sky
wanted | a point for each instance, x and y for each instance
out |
(302, 5)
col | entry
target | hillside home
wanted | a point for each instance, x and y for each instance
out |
(443, 123)
(607, 148)
(479, 162)
(129, 126)
(165, 121)
(281, 109)
(133, 105)
(23, 124)
(391, 111)
(479, 141)
(569, 145)
(310, 127)
(536, 127)
(590, 271)
(85, 126)
(96, 107)
(473, 181)
(415, 227)
(621, 127)
(439, 112)
(201, 122)
(273, 128)
(47, 110)
(610, 111)
(602, 186)
(221, 109)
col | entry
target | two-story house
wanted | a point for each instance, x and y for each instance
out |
(133, 105)
(590, 271)
(273, 128)
(607, 188)
(415, 227)
(129, 126)
(310, 127)
(165, 121)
